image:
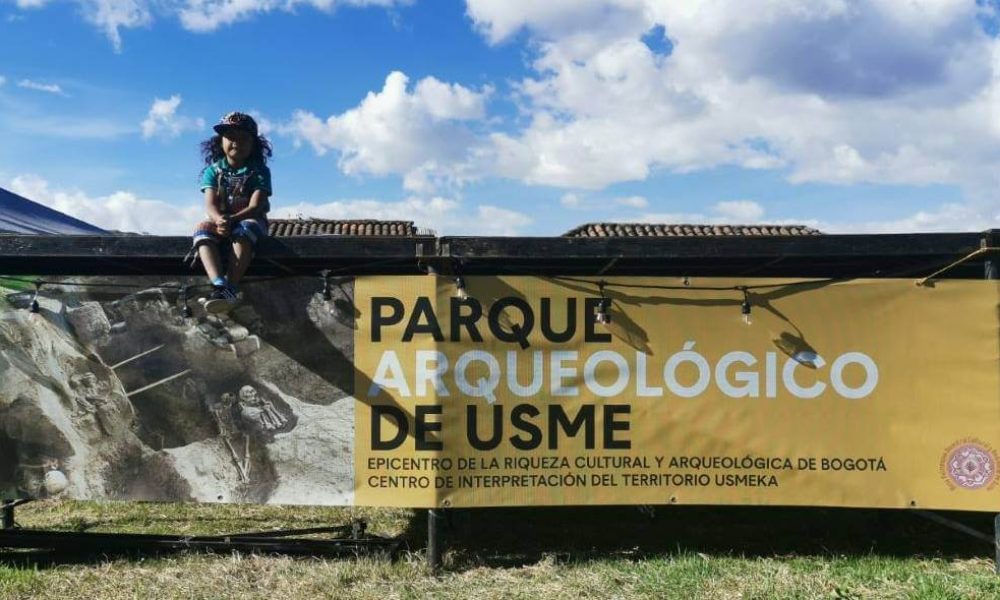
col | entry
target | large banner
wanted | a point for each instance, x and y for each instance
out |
(505, 391)
(536, 391)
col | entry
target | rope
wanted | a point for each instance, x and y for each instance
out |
(965, 258)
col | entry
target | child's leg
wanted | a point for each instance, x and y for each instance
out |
(206, 240)
(240, 257)
(246, 234)
(209, 254)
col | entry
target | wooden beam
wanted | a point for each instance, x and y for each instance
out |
(877, 255)
(719, 247)
(155, 255)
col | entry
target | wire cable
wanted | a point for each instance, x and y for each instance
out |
(967, 257)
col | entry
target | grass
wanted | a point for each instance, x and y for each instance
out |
(686, 552)
(17, 283)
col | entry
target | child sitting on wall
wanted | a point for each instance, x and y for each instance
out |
(237, 184)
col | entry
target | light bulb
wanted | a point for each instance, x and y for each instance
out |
(601, 315)
(460, 290)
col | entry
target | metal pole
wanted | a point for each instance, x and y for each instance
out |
(990, 272)
(996, 543)
(990, 266)
(434, 543)
(8, 514)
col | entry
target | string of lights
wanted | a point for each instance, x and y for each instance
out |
(601, 283)
(602, 314)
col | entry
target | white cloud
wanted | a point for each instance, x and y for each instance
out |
(209, 15)
(50, 88)
(442, 215)
(830, 91)
(58, 126)
(111, 16)
(632, 201)
(417, 133)
(163, 120)
(949, 216)
(592, 203)
(126, 211)
(739, 211)
(492, 220)
(120, 210)
(945, 218)
(424, 212)
(499, 19)
(728, 212)
(571, 201)
(3, 80)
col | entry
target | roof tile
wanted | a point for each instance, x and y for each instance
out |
(682, 230)
(367, 227)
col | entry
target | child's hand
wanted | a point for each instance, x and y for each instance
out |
(222, 225)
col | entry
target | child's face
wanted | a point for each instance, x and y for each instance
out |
(237, 145)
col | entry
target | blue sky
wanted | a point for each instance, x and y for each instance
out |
(514, 117)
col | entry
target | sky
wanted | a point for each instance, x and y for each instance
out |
(514, 117)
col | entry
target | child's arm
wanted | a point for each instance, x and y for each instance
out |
(257, 199)
(212, 208)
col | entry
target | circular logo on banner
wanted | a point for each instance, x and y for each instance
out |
(970, 465)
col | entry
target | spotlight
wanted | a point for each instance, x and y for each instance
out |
(460, 290)
(602, 314)
(326, 285)
(182, 298)
(33, 307)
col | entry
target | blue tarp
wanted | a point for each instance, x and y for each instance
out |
(20, 215)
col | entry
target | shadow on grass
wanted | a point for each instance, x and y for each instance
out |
(513, 537)
(46, 559)
(94, 555)
(510, 537)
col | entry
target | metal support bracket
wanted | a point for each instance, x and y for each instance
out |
(7, 513)
(963, 528)
(952, 524)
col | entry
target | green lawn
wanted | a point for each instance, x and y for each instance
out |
(684, 552)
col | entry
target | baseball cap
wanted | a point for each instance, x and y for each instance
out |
(236, 120)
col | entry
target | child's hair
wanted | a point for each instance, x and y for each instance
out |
(211, 150)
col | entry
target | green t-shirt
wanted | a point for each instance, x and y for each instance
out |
(237, 185)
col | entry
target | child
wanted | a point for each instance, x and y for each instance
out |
(237, 185)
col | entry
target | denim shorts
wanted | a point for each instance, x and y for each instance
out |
(252, 230)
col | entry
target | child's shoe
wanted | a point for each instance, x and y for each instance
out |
(222, 299)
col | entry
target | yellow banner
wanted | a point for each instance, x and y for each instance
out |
(536, 391)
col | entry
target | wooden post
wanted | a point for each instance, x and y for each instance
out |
(434, 543)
